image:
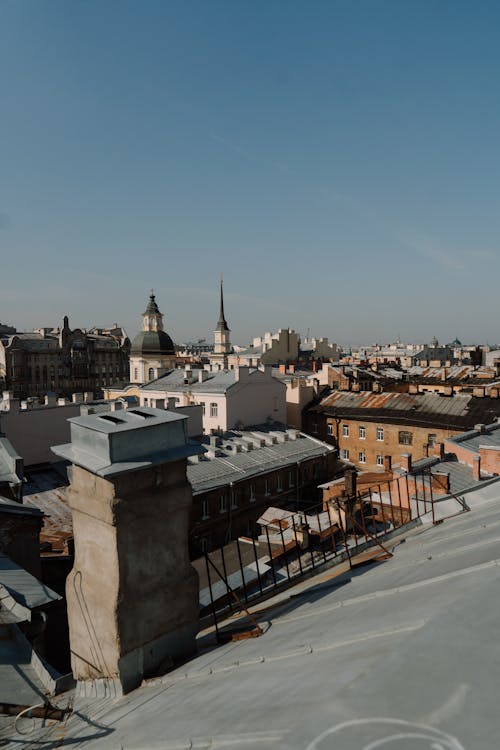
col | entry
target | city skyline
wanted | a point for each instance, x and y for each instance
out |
(337, 162)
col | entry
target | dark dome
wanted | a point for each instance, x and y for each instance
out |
(152, 342)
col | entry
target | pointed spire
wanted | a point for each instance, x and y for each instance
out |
(221, 323)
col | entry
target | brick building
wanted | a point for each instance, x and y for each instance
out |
(367, 427)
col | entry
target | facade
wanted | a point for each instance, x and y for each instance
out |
(270, 349)
(367, 427)
(63, 360)
(229, 398)
(152, 352)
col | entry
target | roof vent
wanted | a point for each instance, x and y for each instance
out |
(142, 414)
(109, 418)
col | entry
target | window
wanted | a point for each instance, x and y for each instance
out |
(362, 457)
(275, 403)
(345, 454)
(290, 479)
(405, 437)
(252, 494)
(279, 485)
(431, 438)
(314, 426)
(222, 504)
(380, 460)
(362, 433)
(213, 409)
(204, 510)
(151, 374)
(345, 430)
(234, 504)
(202, 404)
(329, 429)
(266, 487)
(380, 433)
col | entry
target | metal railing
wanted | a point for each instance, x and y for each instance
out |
(353, 529)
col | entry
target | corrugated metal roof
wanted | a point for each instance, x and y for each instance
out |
(460, 411)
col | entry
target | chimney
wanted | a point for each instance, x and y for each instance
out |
(481, 428)
(350, 482)
(476, 468)
(441, 481)
(132, 594)
(438, 450)
(282, 369)
(406, 462)
(387, 463)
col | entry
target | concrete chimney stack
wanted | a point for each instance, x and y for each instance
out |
(132, 594)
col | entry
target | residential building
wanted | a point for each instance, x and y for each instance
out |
(240, 397)
(270, 349)
(63, 360)
(245, 471)
(366, 427)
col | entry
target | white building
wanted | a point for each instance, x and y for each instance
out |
(230, 399)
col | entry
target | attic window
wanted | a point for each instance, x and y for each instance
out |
(109, 418)
(142, 414)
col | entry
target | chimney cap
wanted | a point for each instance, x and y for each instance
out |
(110, 444)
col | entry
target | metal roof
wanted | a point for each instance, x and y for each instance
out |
(459, 411)
(230, 466)
(23, 587)
(399, 654)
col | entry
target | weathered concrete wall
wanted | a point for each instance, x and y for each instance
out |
(132, 594)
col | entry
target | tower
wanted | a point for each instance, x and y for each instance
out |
(222, 332)
(152, 352)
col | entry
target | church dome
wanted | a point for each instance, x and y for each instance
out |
(152, 342)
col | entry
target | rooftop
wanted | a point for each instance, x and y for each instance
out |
(229, 465)
(461, 411)
(402, 654)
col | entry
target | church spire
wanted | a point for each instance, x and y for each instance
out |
(221, 323)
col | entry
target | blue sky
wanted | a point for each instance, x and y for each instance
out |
(337, 161)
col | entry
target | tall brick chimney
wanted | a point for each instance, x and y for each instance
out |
(132, 594)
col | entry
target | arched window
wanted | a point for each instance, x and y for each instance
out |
(151, 374)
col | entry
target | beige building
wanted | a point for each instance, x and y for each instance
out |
(270, 349)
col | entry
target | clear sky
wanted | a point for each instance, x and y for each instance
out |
(338, 161)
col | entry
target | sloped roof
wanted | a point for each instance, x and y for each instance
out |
(398, 654)
(460, 411)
